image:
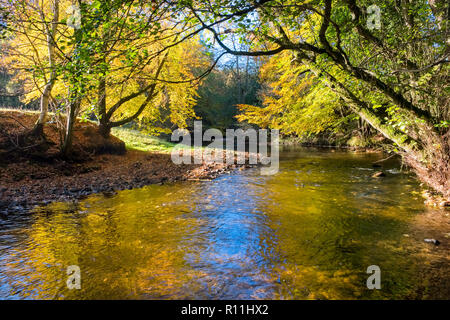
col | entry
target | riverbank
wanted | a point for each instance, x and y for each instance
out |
(27, 184)
(318, 223)
(355, 143)
(36, 175)
(374, 144)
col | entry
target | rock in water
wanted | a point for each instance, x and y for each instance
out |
(445, 204)
(433, 241)
(379, 174)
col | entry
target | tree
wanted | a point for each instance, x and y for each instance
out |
(391, 76)
(50, 32)
(121, 58)
(142, 68)
(34, 27)
(233, 83)
(294, 101)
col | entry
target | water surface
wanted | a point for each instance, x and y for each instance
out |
(308, 232)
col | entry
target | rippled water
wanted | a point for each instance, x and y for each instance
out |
(309, 232)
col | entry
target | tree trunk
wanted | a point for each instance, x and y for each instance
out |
(68, 137)
(103, 121)
(365, 111)
(104, 129)
(38, 129)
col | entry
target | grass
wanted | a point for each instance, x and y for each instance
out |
(137, 140)
(19, 110)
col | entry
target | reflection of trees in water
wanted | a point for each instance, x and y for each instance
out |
(308, 232)
(128, 251)
(332, 221)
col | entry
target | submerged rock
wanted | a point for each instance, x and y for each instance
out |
(445, 204)
(378, 174)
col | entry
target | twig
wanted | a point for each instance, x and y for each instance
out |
(386, 158)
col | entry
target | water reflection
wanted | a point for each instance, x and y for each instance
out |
(309, 232)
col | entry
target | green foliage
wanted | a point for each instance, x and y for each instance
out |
(222, 91)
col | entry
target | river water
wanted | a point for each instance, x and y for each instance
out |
(308, 232)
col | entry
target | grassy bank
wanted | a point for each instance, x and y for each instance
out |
(137, 140)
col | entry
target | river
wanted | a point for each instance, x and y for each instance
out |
(308, 232)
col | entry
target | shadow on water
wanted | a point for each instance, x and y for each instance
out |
(308, 232)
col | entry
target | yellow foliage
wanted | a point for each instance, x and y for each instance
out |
(295, 101)
(27, 55)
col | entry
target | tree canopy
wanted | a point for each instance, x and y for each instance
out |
(123, 61)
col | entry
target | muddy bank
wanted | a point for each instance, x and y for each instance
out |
(26, 184)
(32, 172)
